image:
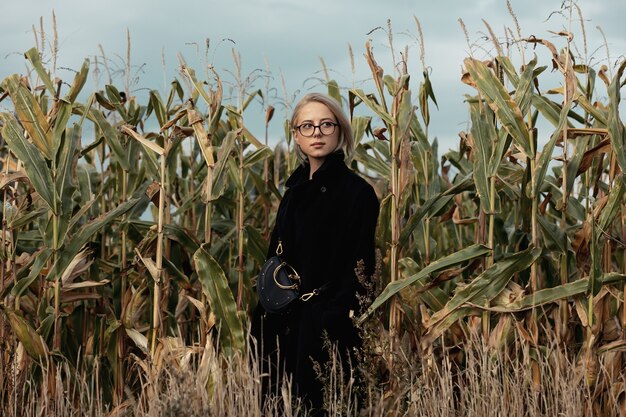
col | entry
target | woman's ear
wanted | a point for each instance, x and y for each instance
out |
(296, 138)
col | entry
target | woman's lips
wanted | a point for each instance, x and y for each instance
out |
(317, 144)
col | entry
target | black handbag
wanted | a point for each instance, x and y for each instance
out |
(278, 284)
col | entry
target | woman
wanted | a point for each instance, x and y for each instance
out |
(325, 224)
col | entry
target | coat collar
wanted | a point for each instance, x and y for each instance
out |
(333, 164)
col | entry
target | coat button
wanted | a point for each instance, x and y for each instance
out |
(323, 189)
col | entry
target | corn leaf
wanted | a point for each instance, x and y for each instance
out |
(35, 60)
(69, 250)
(215, 288)
(159, 109)
(484, 134)
(546, 153)
(463, 185)
(551, 295)
(617, 132)
(34, 164)
(464, 255)
(333, 91)
(41, 260)
(30, 115)
(32, 341)
(258, 155)
(483, 288)
(79, 82)
(111, 137)
(524, 91)
(375, 107)
(507, 111)
(65, 183)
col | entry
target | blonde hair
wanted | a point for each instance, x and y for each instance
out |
(346, 140)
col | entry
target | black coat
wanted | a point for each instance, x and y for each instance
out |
(326, 225)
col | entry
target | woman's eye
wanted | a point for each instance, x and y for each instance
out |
(327, 124)
(306, 126)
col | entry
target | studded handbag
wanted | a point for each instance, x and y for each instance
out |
(278, 284)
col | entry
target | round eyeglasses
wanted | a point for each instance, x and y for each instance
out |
(308, 129)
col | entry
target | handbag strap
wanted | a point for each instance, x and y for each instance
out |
(317, 291)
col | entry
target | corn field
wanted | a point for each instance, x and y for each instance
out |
(132, 232)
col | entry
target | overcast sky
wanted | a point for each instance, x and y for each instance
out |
(291, 36)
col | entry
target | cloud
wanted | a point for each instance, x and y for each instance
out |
(292, 36)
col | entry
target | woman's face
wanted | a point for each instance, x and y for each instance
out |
(318, 146)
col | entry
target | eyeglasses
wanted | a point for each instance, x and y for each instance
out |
(308, 129)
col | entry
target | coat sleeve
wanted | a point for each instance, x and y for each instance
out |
(360, 246)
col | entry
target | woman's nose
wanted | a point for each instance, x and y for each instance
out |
(317, 131)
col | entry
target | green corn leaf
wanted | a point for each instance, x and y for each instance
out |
(86, 232)
(41, 260)
(115, 98)
(232, 170)
(175, 90)
(191, 75)
(483, 288)
(546, 152)
(79, 82)
(404, 116)
(547, 108)
(223, 155)
(256, 245)
(597, 114)
(551, 295)
(435, 298)
(426, 92)
(503, 142)
(35, 59)
(247, 135)
(580, 147)
(609, 213)
(383, 226)
(359, 125)
(32, 341)
(159, 109)
(103, 101)
(372, 163)
(215, 288)
(390, 83)
(506, 64)
(111, 136)
(251, 96)
(553, 237)
(464, 255)
(375, 107)
(30, 115)
(59, 125)
(65, 178)
(524, 91)
(171, 231)
(507, 111)
(463, 185)
(258, 155)
(35, 166)
(22, 219)
(333, 91)
(617, 132)
(484, 134)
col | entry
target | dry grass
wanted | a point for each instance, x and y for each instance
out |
(470, 380)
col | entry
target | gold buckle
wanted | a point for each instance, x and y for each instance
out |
(309, 295)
